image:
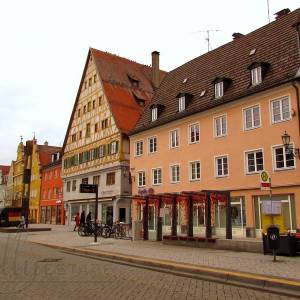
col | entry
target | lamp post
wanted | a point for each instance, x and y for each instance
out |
(286, 138)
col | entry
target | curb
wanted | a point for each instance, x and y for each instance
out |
(264, 283)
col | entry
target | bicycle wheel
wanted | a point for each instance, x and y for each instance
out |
(106, 233)
(81, 231)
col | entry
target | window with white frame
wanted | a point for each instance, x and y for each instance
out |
(252, 117)
(222, 166)
(219, 89)
(175, 173)
(283, 160)
(141, 179)
(139, 148)
(195, 170)
(174, 138)
(256, 75)
(254, 161)
(154, 114)
(181, 103)
(281, 110)
(220, 126)
(152, 144)
(114, 147)
(194, 133)
(156, 176)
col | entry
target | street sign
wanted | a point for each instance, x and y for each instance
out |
(265, 181)
(88, 188)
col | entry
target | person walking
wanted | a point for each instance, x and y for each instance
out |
(77, 221)
(89, 218)
(82, 218)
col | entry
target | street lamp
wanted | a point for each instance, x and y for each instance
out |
(286, 138)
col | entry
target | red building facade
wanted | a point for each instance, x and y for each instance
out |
(52, 206)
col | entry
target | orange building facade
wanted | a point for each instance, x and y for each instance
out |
(52, 206)
(214, 124)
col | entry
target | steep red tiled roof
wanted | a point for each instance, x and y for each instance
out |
(45, 153)
(275, 44)
(115, 73)
(4, 169)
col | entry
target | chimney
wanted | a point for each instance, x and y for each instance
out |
(282, 13)
(237, 35)
(46, 143)
(155, 69)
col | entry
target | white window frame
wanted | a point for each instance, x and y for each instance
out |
(246, 160)
(153, 177)
(154, 114)
(216, 166)
(274, 147)
(221, 124)
(251, 108)
(256, 76)
(154, 138)
(139, 150)
(191, 163)
(176, 174)
(219, 89)
(190, 133)
(181, 103)
(174, 138)
(143, 178)
(280, 99)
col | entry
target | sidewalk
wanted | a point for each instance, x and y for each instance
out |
(254, 264)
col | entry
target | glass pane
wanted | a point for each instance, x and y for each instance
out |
(286, 215)
(167, 219)
(256, 117)
(236, 215)
(257, 218)
(290, 160)
(151, 217)
(195, 210)
(276, 111)
(222, 212)
(248, 118)
(201, 215)
(279, 158)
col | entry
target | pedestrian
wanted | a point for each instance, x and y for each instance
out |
(77, 221)
(82, 218)
(89, 218)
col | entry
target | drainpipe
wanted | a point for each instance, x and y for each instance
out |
(296, 87)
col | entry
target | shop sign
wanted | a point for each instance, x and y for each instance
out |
(265, 181)
(271, 207)
(88, 188)
(146, 192)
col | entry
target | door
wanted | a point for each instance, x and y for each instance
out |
(122, 214)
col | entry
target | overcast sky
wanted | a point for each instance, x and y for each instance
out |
(44, 45)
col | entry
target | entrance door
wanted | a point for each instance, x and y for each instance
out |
(109, 215)
(122, 214)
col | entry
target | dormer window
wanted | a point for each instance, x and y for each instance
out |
(256, 75)
(181, 103)
(133, 80)
(258, 72)
(219, 89)
(154, 114)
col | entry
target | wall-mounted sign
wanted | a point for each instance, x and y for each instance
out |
(146, 192)
(88, 188)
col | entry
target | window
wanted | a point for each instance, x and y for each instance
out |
(85, 180)
(254, 161)
(114, 147)
(78, 113)
(100, 100)
(156, 176)
(84, 109)
(110, 178)
(194, 133)
(96, 179)
(252, 117)
(154, 114)
(96, 127)
(74, 185)
(90, 81)
(104, 124)
(219, 89)
(152, 144)
(175, 176)
(256, 75)
(89, 106)
(102, 151)
(88, 130)
(220, 126)
(283, 160)
(281, 109)
(68, 186)
(80, 134)
(85, 84)
(94, 103)
(221, 166)
(139, 148)
(95, 78)
(73, 137)
(181, 104)
(195, 170)
(174, 138)
(141, 179)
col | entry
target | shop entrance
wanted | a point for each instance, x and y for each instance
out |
(122, 214)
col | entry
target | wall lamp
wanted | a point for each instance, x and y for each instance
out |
(286, 138)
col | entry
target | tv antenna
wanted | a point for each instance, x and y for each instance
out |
(208, 31)
(268, 4)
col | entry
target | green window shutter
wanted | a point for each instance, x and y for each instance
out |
(117, 146)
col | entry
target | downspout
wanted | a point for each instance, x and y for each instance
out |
(296, 87)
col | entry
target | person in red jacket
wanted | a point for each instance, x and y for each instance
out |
(77, 221)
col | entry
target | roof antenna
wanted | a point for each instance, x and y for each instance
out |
(268, 11)
(208, 31)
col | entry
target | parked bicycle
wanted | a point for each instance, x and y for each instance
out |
(88, 229)
(22, 225)
(117, 230)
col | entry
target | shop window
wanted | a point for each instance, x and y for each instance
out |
(198, 215)
(151, 218)
(75, 208)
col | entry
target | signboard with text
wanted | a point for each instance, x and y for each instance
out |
(88, 188)
(265, 181)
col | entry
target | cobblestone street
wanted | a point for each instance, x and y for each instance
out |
(31, 271)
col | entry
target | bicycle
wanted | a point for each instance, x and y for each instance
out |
(21, 227)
